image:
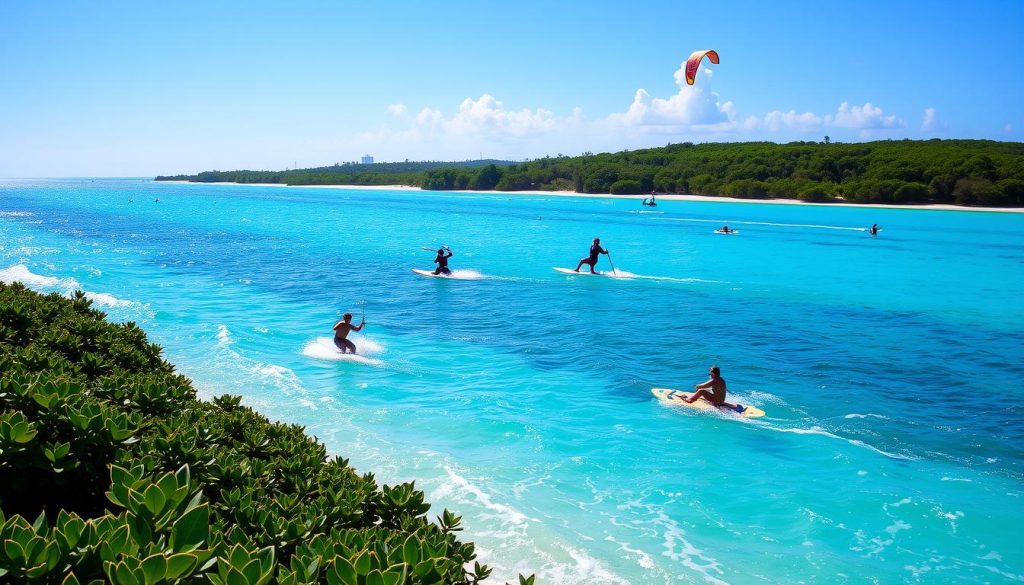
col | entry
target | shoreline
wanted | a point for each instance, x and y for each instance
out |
(665, 197)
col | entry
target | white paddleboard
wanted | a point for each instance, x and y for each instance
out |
(586, 272)
(455, 274)
(728, 233)
(430, 273)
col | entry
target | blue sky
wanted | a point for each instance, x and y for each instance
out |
(144, 88)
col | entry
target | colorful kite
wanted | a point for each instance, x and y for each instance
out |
(693, 63)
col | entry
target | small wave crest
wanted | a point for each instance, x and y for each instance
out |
(815, 430)
(66, 286)
(21, 273)
(107, 300)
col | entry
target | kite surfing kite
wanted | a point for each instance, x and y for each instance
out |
(693, 63)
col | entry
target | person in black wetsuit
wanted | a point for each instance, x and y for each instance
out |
(442, 261)
(595, 250)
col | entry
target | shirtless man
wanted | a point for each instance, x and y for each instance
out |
(717, 386)
(595, 250)
(874, 229)
(341, 330)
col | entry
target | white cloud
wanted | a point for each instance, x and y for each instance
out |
(866, 117)
(776, 121)
(930, 120)
(689, 107)
(691, 113)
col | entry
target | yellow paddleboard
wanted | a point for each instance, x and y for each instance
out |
(679, 397)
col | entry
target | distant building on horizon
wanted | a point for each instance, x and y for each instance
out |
(367, 159)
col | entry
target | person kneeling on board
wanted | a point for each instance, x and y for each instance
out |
(341, 331)
(442, 261)
(595, 250)
(717, 385)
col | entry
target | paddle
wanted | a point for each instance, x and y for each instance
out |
(363, 318)
(610, 262)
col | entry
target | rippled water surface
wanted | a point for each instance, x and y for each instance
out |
(890, 368)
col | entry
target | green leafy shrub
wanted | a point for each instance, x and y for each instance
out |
(131, 479)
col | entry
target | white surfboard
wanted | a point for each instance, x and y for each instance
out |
(430, 273)
(586, 272)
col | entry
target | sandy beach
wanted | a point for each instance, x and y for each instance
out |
(665, 197)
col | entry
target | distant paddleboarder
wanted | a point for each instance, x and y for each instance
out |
(874, 229)
(442, 260)
(341, 331)
(716, 383)
(595, 251)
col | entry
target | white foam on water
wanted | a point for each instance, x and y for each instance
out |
(107, 300)
(66, 286)
(323, 348)
(677, 279)
(34, 250)
(460, 487)
(857, 443)
(16, 214)
(687, 554)
(224, 336)
(466, 275)
(21, 273)
(868, 415)
(642, 558)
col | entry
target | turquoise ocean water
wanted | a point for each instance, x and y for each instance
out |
(890, 368)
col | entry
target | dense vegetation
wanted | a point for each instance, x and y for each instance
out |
(962, 172)
(404, 173)
(112, 471)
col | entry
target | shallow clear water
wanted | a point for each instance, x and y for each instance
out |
(890, 368)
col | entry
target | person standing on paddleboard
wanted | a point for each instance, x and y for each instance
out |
(717, 385)
(341, 331)
(441, 260)
(595, 250)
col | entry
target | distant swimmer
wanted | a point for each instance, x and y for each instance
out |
(874, 229)
(717, 385)
(341, 331)
(442, 260)
(726, 230)
(595, 251)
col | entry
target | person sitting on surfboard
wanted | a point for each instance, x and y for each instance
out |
(442, 261)
(725, 229)
(341, 330)
(595, 250)
(717, 385)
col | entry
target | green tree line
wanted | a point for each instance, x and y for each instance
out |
(961, 172)
(403, 173)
